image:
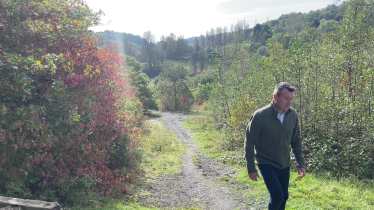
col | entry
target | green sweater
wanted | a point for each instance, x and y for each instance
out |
(272, 139)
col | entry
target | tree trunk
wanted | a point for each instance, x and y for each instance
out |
(175, 96)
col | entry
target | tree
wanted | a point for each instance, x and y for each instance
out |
(257, 33)
(174, 47)
(314, 23)
(148, 50)
(266, 33)
(195, 56)
(183, 49)
(219, 38)
(173, 92)
(129, 48)
(202, 51)
(326, 26)
(225, 39)
(294, 22)
(140, 82)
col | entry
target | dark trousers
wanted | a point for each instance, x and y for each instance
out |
(276, 180)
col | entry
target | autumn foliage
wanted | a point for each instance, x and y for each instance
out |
(67, 110)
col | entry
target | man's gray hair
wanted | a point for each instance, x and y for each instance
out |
(280, 86)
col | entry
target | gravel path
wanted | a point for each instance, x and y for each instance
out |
(195, 186)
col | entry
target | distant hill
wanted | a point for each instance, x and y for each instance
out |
(191, 40)
(117, 38)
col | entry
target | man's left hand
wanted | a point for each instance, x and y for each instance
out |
(301, 172)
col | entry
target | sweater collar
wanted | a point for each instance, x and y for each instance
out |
(275, 111)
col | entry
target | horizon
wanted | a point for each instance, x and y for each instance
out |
(210, 14)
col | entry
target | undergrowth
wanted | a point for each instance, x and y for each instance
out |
(161, 152)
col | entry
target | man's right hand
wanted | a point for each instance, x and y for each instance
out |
(254, 176)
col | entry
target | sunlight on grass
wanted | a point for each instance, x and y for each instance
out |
(209, 140)
(326, 193)
(312, 192)
(162, 150)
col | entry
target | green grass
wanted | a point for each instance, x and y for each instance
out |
(161, 156)
(210, 140)
(162, 151)
(315, 191)
(197, 161)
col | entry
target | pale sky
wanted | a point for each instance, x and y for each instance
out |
(193, 17)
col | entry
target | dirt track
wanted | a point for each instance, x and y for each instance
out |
(196, 185)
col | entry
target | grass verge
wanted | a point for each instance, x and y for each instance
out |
(315, 191)
(162, 150)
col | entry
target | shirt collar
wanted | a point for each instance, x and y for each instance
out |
(276, 111)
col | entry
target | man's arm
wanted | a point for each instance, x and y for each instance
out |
(251, 137)
(297, 148)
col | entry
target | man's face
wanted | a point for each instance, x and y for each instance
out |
(283, 102)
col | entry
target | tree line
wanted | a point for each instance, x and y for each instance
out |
(198, 49)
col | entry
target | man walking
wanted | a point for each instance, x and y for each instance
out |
(271, 131)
